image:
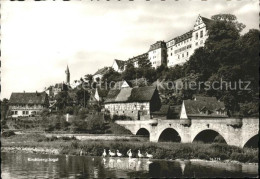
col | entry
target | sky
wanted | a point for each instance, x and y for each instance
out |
(39, 39)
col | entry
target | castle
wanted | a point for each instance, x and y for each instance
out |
(175, 51)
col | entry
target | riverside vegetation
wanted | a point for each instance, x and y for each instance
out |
(161, 150)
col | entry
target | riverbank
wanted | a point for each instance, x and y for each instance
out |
(37, 143)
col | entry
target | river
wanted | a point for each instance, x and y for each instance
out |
(28, 165)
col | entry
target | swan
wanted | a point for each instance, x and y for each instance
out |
(81, 152)
(149, 155)
(104, 153)
(111, 153)
(149, 162)
(118, 154)
(139, 154)
(129, 153)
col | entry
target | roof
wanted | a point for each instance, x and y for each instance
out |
(183, 37)
(120, 64)
(28, 98)
(141, 94)
(194, 108)
(206, 20)
(102, 71)
(132, 83)
(163, 110)
(158, 44)
(136, 58)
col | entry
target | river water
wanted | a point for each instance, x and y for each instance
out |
(24, 165)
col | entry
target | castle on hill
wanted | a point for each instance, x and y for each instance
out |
(175, 51)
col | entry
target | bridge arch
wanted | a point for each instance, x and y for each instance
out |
(143, 131)
(209, 136)
(169, 135)
(252, 142)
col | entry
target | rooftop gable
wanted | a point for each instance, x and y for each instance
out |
(28, 98)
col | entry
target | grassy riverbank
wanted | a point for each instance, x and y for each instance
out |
(159, 150)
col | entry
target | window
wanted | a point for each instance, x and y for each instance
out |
(171, 54)
(183, 55)
(201, 33)
(196, 43)
(178, 56)
(197, 36)
(187, 54)
(201, 42)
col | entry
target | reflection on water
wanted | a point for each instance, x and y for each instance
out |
(22, 165)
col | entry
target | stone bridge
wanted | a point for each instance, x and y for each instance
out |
(237, 132)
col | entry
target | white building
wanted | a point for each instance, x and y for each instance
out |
(179, 49)
(119, 65)
(27, 104)
(157, 54)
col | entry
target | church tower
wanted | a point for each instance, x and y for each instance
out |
(67, 75)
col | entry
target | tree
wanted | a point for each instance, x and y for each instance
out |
(63, 99)
(4, 109)
(175, 73)
(227, 56)
(129, 73)
(111, 76)
(82, 96)
(144, 63)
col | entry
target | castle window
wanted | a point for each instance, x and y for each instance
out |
(196, 43)
(201, 42)
(197, 36)
(171, 54)
(183, 55)
(187, 54)
(178, 56)
(201, 33)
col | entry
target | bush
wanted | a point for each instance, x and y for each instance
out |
(69, 110)
(8, 133)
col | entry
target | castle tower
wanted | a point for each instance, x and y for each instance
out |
(67, 75)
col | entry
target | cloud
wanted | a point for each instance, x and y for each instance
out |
(39, 39)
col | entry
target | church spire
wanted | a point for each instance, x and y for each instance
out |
(67, 75)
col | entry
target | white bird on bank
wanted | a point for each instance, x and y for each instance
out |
(129, 153)
(111, 153)
(139, 154)
(149, 155)
(81, 153)
(104, 153)
(118, 153)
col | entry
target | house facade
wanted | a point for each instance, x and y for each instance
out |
(27, 104)
(157, 54)
(136, 103)
(180, 48)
